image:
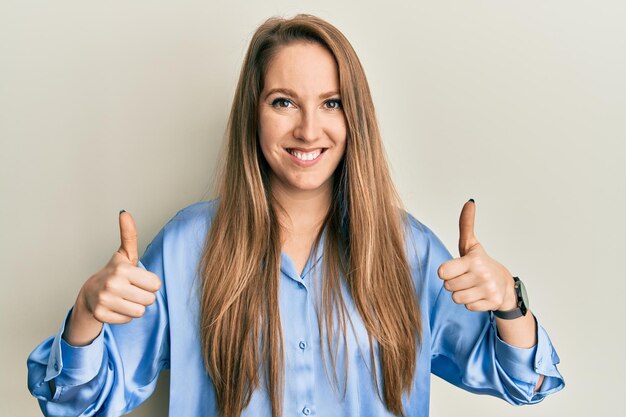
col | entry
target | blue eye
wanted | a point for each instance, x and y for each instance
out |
(281, 102)
(334, 103)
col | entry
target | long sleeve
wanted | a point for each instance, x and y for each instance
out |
(467, 351)
(113, 374)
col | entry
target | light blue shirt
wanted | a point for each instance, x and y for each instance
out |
(119, 369)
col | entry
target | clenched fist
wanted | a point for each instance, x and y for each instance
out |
(475, 279)
(116, 294)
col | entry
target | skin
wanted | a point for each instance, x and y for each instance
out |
(300, 107)
(482, 284)
(308, 71)
(121, 291)
(116, 294)
(305, 114)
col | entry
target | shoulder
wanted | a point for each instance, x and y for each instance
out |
(422, 243)
(187, 229)
(425, 253)
(196, 212)
(195, 216)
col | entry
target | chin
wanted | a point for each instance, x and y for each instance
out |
(308, 185)
(301, 183)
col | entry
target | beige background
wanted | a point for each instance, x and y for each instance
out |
(107, 105)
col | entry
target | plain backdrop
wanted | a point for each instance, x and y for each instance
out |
(107, 105)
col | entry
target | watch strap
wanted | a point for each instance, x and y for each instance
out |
(509, 314)
(519, 311)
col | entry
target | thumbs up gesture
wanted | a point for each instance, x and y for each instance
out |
(475, 279)
(116, 294)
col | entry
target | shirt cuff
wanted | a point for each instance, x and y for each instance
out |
(73, 365)
(526, 364)
(545, 363)
(517, 362)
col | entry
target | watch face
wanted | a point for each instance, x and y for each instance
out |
(522, 288)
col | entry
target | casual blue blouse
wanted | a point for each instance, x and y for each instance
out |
(119, 369)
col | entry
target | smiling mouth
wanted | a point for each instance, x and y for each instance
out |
(306, 156)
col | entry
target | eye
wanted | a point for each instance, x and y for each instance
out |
(334, 104)
(281, 102)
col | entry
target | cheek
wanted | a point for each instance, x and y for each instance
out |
(272, 130)
(339, 134)
(266, 134)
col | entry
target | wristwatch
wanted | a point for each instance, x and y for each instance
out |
(522, 303)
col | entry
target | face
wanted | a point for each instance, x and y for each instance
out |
(302, 128)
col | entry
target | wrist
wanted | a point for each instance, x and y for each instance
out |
(510, 298)
(82, 327)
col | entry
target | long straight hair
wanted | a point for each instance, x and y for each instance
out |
(240, 324)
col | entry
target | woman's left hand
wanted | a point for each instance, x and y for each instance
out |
(475, 279)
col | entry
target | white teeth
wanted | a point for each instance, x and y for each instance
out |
(305, 156)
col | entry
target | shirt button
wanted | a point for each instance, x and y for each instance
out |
(56, 366)
(306, 411)
(302, 345)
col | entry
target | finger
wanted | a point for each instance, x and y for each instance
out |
(453, 268)
(144, 279)
(462, 282)
(128, 237)
(126, 308)
(468, 296)
(480, 305)
(137, 295)
(111, 317)
(467, 239)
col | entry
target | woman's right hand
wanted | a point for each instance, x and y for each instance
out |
(116, 294)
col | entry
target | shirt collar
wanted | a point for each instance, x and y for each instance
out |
(288, 268)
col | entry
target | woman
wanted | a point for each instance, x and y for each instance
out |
(303, 288)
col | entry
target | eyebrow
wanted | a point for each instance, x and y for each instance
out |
(292, 93)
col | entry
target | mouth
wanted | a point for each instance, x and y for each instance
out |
(306, 155)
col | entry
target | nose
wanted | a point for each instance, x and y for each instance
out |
(308, 127)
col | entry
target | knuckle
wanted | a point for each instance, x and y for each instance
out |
(110, 284)
(478, 261)
(120, 269)
(101, 299)
(99, 313)
(117, 269)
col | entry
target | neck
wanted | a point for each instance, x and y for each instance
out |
(303, 212)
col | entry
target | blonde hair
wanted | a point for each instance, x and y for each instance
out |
(364, 243)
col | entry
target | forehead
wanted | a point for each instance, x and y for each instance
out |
(303, 67)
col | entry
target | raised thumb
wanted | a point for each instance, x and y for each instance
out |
(128, 237)
(467, 239)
